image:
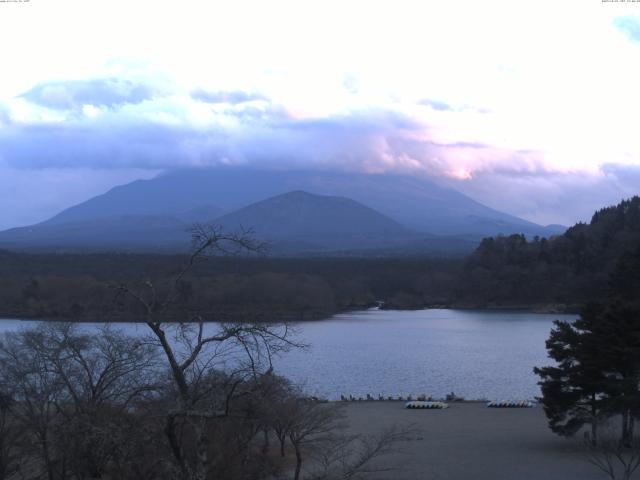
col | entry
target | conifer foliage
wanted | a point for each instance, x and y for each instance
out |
(597, 371)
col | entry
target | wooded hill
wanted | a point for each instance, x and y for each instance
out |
(557, 274)
(566, 269)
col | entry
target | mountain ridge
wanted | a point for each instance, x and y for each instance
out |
(418, 203)
(418, 215)
(319, 221)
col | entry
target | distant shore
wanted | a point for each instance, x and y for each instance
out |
(559, 309)
(312, 316)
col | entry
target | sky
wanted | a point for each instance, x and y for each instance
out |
(529, 107)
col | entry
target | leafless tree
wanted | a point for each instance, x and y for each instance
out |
(279, 401)
(73, 392)
(617, 459)
(192, 349)
(358, 456)
(189, 400)
(97, 368)
(318, 431)
(311, 423)
(10, 436)
(37, 392)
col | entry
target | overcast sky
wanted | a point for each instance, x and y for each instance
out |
(530, 107)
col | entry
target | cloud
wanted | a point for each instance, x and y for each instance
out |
(143, 130)
(5, 119)
(437, 94)
(93, 146)
(627, 176)
(164, 135)
(546, 196)
(99, 92)
(233, 97)
(351, 84)
(181, 131)
(630, 26)
(437, 105)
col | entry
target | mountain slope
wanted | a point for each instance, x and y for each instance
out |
(304, 221)
(119, 231)
(294, 223)
(415, 202)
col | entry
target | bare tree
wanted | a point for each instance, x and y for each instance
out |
(318, 430)
(10, 436)
(311, 423)
(97, 368)
(191, 349)
(280, 400)
(73, 392)
(616, 458)
(358, 456)
(37, 392)
(187, 400)
(102, 375)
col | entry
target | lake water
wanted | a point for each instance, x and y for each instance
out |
(476, 354)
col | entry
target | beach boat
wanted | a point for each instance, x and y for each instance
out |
(510, 404)
(418, 404)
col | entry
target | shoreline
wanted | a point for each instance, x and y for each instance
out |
(560, 309)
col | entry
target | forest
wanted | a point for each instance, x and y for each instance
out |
(555, 274)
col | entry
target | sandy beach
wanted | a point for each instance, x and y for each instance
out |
(469, 441)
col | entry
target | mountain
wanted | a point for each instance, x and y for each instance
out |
(201, 213)
(297, 211)
(127, 232)
(116, 230)
(417, 203)
(303, 221)
(294, 223)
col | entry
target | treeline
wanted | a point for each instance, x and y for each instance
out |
(558, 273)
(82, 287)
(597, 365)
(566, 269)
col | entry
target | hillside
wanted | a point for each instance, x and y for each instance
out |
(294, 223)
(340, 213)
(416, 203)
(568, 268)
(303, 221)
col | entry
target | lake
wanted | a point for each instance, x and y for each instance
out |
(476, 354)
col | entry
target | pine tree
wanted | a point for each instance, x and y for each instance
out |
(598, 360)
(572, 391)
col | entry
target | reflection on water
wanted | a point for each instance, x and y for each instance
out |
(476, 354)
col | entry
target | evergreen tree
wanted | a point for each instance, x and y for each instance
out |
(598, 360)
(619, 334)
(572, 391)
